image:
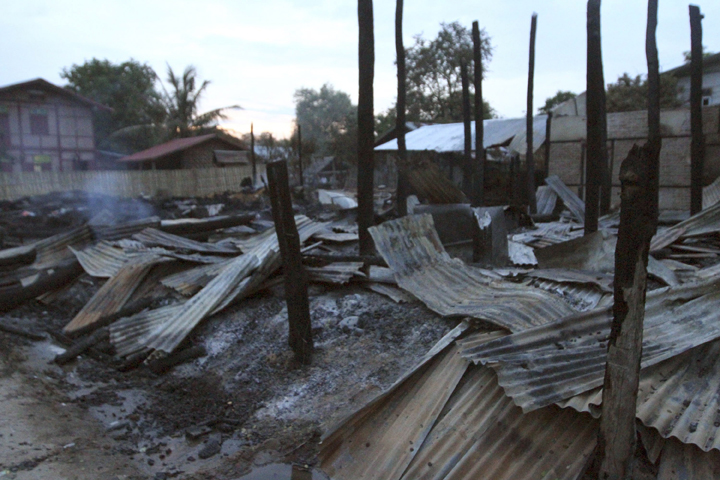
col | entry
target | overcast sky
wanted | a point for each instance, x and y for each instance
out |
(257, 53)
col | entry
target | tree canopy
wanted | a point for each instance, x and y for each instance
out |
(560, 97)
(129, 89)
(434, 86)
(630, 93)
(328, 120)
(142, 115)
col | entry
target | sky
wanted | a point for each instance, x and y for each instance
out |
(258, 53)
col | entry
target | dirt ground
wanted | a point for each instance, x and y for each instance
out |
(245, 405)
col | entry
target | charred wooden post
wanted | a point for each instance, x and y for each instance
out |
(300, 159)
(467, 153)
(529, 158)
(401, 193)
(697, 154)
(638, 224)
(296, 283)
(478, 191)
(252, 155)
(596, 119)
(366, 163)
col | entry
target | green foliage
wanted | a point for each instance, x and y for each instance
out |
(629, 94)
(688, 54)
(181, 106)
(560, 97)
(328, 120)
(434, 86)
(129, 89)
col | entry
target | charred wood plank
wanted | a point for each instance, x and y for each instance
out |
(82, 345)
(47, 280)
(296, 282)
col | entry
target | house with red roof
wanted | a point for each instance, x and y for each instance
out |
(203, 151)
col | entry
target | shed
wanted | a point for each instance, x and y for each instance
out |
(203, 151)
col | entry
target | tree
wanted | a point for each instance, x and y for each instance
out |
(434, 92)
(630, 94)
(129, 89)
(182, 104)
(551, 102)
(328, 120)
(687, 55)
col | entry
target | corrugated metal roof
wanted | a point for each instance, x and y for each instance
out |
(122, 230)
(412, 248)
(473, 431)
(519, 142)
(42, 84)
(711, 194)
(681, 461)
(102, 260)
(704, 222)
(156, 238)
(433, 186)
(554, 362)
(450, 137)
(55, 249)
(177, 145)
(397, 295)
(571, 201)
(338, 272)
(111, 297)
(545, 198)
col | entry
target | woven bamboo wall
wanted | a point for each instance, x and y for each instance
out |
(198, 182)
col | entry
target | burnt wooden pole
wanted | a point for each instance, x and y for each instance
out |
(467, 133)
(697, 154)
(296, 283)
(478, 197)
(638, 223)
(300, 159)
(529, 158)
(366, 164)
(401, 193)
(252, 155)
(595, 118)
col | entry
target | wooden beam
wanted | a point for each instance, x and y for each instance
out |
(366, 164)
(478, 194)
(401, 193)
(296, 283)
(697, 154)
(529, 158)
(595, 119)
(638, 224)
(467, 133)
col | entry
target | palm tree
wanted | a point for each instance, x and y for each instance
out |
(179, 110)
(181, 106)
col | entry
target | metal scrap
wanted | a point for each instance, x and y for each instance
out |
(571, 201)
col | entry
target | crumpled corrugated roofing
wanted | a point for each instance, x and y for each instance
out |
(412, 248)
(554, 362)
(450, 137)
(704, 222)
(433, 425)
(156, 238)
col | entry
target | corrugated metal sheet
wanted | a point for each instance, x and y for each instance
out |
(450, 137)
(156, 238)
(122, 230)
(594, 252)
(545, 198)
(129, 335)
(479, 433)
(433, 186)
(382, 443)
(704, 222)
(171, 333)
(519, 142)
(111, 297)
(411, 247)
(397, 295)
(54, 249)
(338, 273)
(711, 194)
(102, 260)
(572, 202)
(680, 461)
(554, 362)
(549, 233)
(582, 296)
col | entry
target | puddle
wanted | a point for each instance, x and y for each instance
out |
(283, 471)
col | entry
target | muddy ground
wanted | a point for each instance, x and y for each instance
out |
(245, 405)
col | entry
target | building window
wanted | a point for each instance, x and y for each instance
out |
(39, 122)
(4, 130)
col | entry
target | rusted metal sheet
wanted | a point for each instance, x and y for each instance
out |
(156, 238)
(382, 443)
(571, 201)
(411, 247)
(479, 433)
(430, 184)
(554, 362)
(113, 295)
